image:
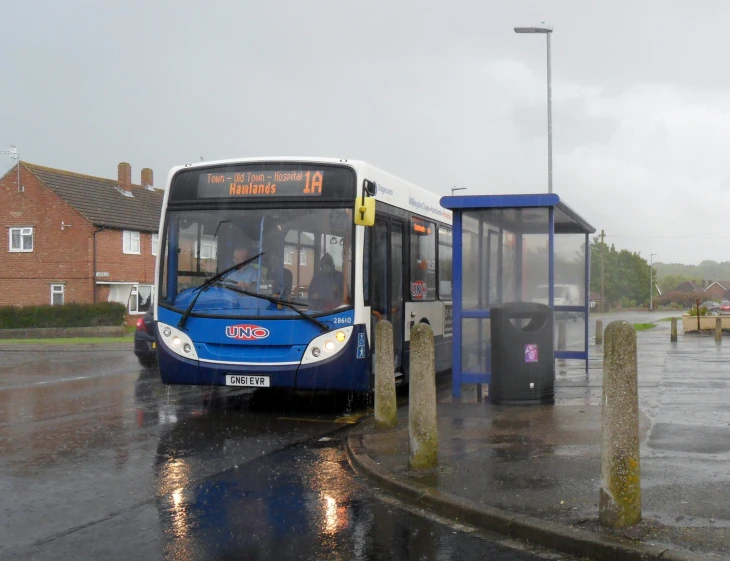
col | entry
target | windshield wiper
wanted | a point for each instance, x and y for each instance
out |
(212, 280)
(287, 303)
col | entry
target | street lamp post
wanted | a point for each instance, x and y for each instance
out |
(651, 281)
(548, 31)
(457, 189)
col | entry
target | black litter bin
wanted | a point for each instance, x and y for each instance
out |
(523, 357)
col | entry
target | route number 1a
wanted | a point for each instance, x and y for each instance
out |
(313, 183)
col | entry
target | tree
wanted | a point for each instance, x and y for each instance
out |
(670, 282)
(626, 275)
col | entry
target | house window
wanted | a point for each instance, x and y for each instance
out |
(21, 239)
(56, 295)
(140, 298)
(208, 248)
(289, 256)
(131, 242)
(155, 243)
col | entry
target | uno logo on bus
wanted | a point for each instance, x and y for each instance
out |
(419, 290)
(246, 332)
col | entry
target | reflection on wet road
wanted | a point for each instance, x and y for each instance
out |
(99, 460)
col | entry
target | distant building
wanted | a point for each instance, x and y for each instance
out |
(594, 301)
(77, 238)
(689, 286)
(719, 289)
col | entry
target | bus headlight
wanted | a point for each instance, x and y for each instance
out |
(176, 341)
(327, 345)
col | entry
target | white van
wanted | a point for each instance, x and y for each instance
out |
(564, 295)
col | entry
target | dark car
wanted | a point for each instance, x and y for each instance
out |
(145, 343)
(712, 307)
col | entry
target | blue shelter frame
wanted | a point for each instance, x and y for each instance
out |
(504, 250)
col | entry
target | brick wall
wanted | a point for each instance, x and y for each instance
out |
(58, 256)
(124, 267)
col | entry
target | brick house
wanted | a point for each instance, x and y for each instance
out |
(718, 289)
(77, 238)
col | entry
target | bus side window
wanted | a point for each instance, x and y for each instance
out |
(445, 263)
(366, 267)
(423, 260)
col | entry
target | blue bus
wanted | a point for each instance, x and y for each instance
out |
(266, 277)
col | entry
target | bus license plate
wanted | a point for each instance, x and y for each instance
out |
(248, 381)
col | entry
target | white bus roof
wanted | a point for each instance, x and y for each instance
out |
(390, 189)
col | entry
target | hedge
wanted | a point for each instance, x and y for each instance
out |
(68, 315)
(685, 299)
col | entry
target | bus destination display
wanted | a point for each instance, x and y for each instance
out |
(261, 183)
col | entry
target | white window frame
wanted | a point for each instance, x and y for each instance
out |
(133, 297)
(288, 255)
(303, 256)
(133, 301)
(25, 231)
(155, 243)
(129, 237)
(208, 249)
(62, 292)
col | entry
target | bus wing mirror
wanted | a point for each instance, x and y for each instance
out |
(369, 187)
(364, 211)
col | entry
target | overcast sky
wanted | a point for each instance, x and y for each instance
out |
(440, 93)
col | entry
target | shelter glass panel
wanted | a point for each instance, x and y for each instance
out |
(574, 326)
(570, 269)
(476, 340)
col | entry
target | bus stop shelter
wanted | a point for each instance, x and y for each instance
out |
(516, 248)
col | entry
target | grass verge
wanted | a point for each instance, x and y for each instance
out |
(643, 326)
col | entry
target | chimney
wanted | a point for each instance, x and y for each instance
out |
(125, 176)
(147, 182)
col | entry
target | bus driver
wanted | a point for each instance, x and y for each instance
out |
(246, 276)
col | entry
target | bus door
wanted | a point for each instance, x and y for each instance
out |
(386, 298)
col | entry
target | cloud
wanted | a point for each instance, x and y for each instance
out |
(441, 94)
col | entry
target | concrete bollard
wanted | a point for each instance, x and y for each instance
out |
(422, 429)
(620, 495)
(561, 335)
(673, 336)
(718, 329)
(599, 332)
(385, 407)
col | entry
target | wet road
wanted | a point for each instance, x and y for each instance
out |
(100, 460)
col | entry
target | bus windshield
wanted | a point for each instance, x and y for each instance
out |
(304, 257)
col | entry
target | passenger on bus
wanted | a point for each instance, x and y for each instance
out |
(325, 290)
(246, 276)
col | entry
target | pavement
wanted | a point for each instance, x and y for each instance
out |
(533, 472)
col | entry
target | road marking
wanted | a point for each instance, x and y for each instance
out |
(349, 419)
(344, 420)
(306, 420)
